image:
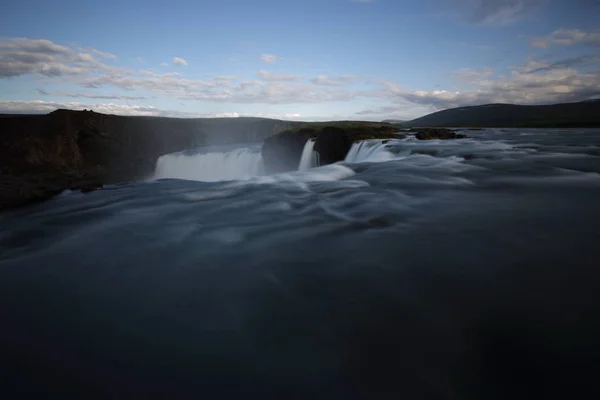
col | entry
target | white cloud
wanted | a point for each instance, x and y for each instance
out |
(567, 37)
(271, 77)
(35, 46)
(85, 57)
(164, 64)
(269, 58)
(343, 80)
(240, 115)
(179, 61)
(97, 96)
(474, 76)
(39, 106)
(495, 12)
(386, 111)
(535, 82)
(39, 56)
(583, 60)
(270, 92)
(170, 83)
(150, 72)
(97, 52)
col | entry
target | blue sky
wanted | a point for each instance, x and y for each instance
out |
(307, 60)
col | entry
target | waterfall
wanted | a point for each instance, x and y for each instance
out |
(368, 151)
(241, 163)
(310, 158)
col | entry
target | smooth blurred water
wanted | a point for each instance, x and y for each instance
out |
(446, 269)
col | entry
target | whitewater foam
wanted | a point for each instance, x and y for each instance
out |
(241, 163)
(369, 151)
(299, 179)
(310, 158)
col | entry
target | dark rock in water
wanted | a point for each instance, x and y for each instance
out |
(332, 145)
(88, 189)
(86, 185)
(282, 152)
(437, 133)
(17, 190)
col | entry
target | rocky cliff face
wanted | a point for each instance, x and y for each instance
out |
(41, 155)
(282, 152)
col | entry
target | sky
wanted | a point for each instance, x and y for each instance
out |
(306, 60)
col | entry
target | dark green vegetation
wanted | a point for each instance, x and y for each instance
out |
(582, 114)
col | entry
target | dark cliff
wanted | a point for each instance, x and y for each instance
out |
(333, 140)
(41, 155)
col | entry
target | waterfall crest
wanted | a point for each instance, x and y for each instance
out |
(310, 158)
(239, 163)
(368, 151)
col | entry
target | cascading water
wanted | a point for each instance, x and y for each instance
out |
(310, 158)
(368, 151)
(241, 163)
(246, 162)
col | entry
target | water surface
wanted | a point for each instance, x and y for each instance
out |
(440, 269)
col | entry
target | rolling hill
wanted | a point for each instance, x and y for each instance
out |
(582, 114)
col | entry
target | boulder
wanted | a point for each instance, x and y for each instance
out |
(436, 133)
(332, 145)
(282, 152)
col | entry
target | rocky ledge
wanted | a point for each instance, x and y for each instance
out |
(42, 155)
(436, 133)
(282, 152)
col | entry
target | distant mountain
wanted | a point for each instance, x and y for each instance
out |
(394, 121)
(582, 114)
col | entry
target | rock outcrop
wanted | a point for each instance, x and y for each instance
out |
(436, 133)
(42, 155)
(332, 145)
(282, 152)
